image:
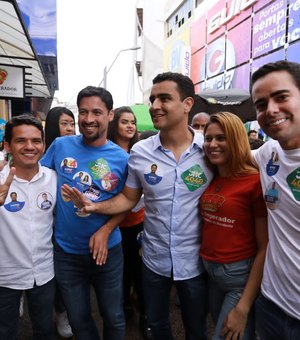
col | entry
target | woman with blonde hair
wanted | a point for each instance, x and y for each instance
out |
(235, 237)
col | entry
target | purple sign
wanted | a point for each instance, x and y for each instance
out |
(269, 26)
(241, 78)
(270, 58)
(241, 46)
(294, 21)
(293, 52)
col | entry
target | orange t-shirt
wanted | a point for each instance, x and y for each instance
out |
(133, 218)
(229, 207)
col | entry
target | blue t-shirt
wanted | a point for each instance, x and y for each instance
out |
(98, 172)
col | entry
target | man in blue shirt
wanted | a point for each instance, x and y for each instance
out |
(172, 226)
(87, 247)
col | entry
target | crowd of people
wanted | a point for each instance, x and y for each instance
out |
(191, 206)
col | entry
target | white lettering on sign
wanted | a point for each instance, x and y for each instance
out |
(223, 16)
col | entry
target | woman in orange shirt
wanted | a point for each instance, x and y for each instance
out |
(234, 234)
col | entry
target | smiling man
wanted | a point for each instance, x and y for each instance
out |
(171, 239)
(26, 250)
(276, 96)
(88, 247)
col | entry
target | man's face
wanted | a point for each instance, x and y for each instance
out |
(93, 119)
(26, 146)
(153, 168)
(13, 196)
(45, 197)
(253, 135)
(277, 102)
(167, 110)
(199, 123)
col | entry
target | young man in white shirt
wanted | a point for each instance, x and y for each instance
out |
(26, 250)
(276, 96)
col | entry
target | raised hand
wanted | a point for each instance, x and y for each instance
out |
(5, 186)
(78, 198)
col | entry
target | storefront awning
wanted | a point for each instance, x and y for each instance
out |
(16, 50)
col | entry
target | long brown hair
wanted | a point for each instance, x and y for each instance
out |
(237, 140)
(112, 132)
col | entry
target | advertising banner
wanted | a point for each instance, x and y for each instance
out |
(197, 59)
(198, 34)
(293, 52)
(242, 35)
(177, 54)
(40, 20)
(269, 26)
(294, 21)
(215, 21)
(241, 78)
(238, 10)
(11, 81)
(269, 58)
(241, 47)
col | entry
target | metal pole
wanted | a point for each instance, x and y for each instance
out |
(104, 78)
(106, 70)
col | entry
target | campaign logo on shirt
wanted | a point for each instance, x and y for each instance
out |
(80, 213)
(293, 180)
(194, 177)
(44, 200)
(92, 192)
(68, 165)
(153, 174)
(272, 167)
(14, 205)
(99, 168)
(82, 180)
(272, 196)
(109, 182)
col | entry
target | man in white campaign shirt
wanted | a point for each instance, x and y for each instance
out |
(276, 96)
(26, 251)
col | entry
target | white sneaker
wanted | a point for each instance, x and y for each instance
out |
(62, 325)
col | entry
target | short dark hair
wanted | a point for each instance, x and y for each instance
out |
(185, 85)
(251, 131)
(25, 119)
(255, 143)
(93, 91)
(113, 126)
(52, 123)
(282, 65)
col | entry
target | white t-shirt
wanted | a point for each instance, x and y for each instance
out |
(280, 178)
(26, 250)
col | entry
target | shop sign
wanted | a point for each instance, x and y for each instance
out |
(223, 16)
(11, 81)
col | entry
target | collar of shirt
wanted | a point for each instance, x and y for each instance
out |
(198, 140)
(36, 177)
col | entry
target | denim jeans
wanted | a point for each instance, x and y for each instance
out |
(193, 301)
(75, 274)
(272, 323)
(40, 300)
(226, 284)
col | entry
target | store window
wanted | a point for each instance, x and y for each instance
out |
(179, 17)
